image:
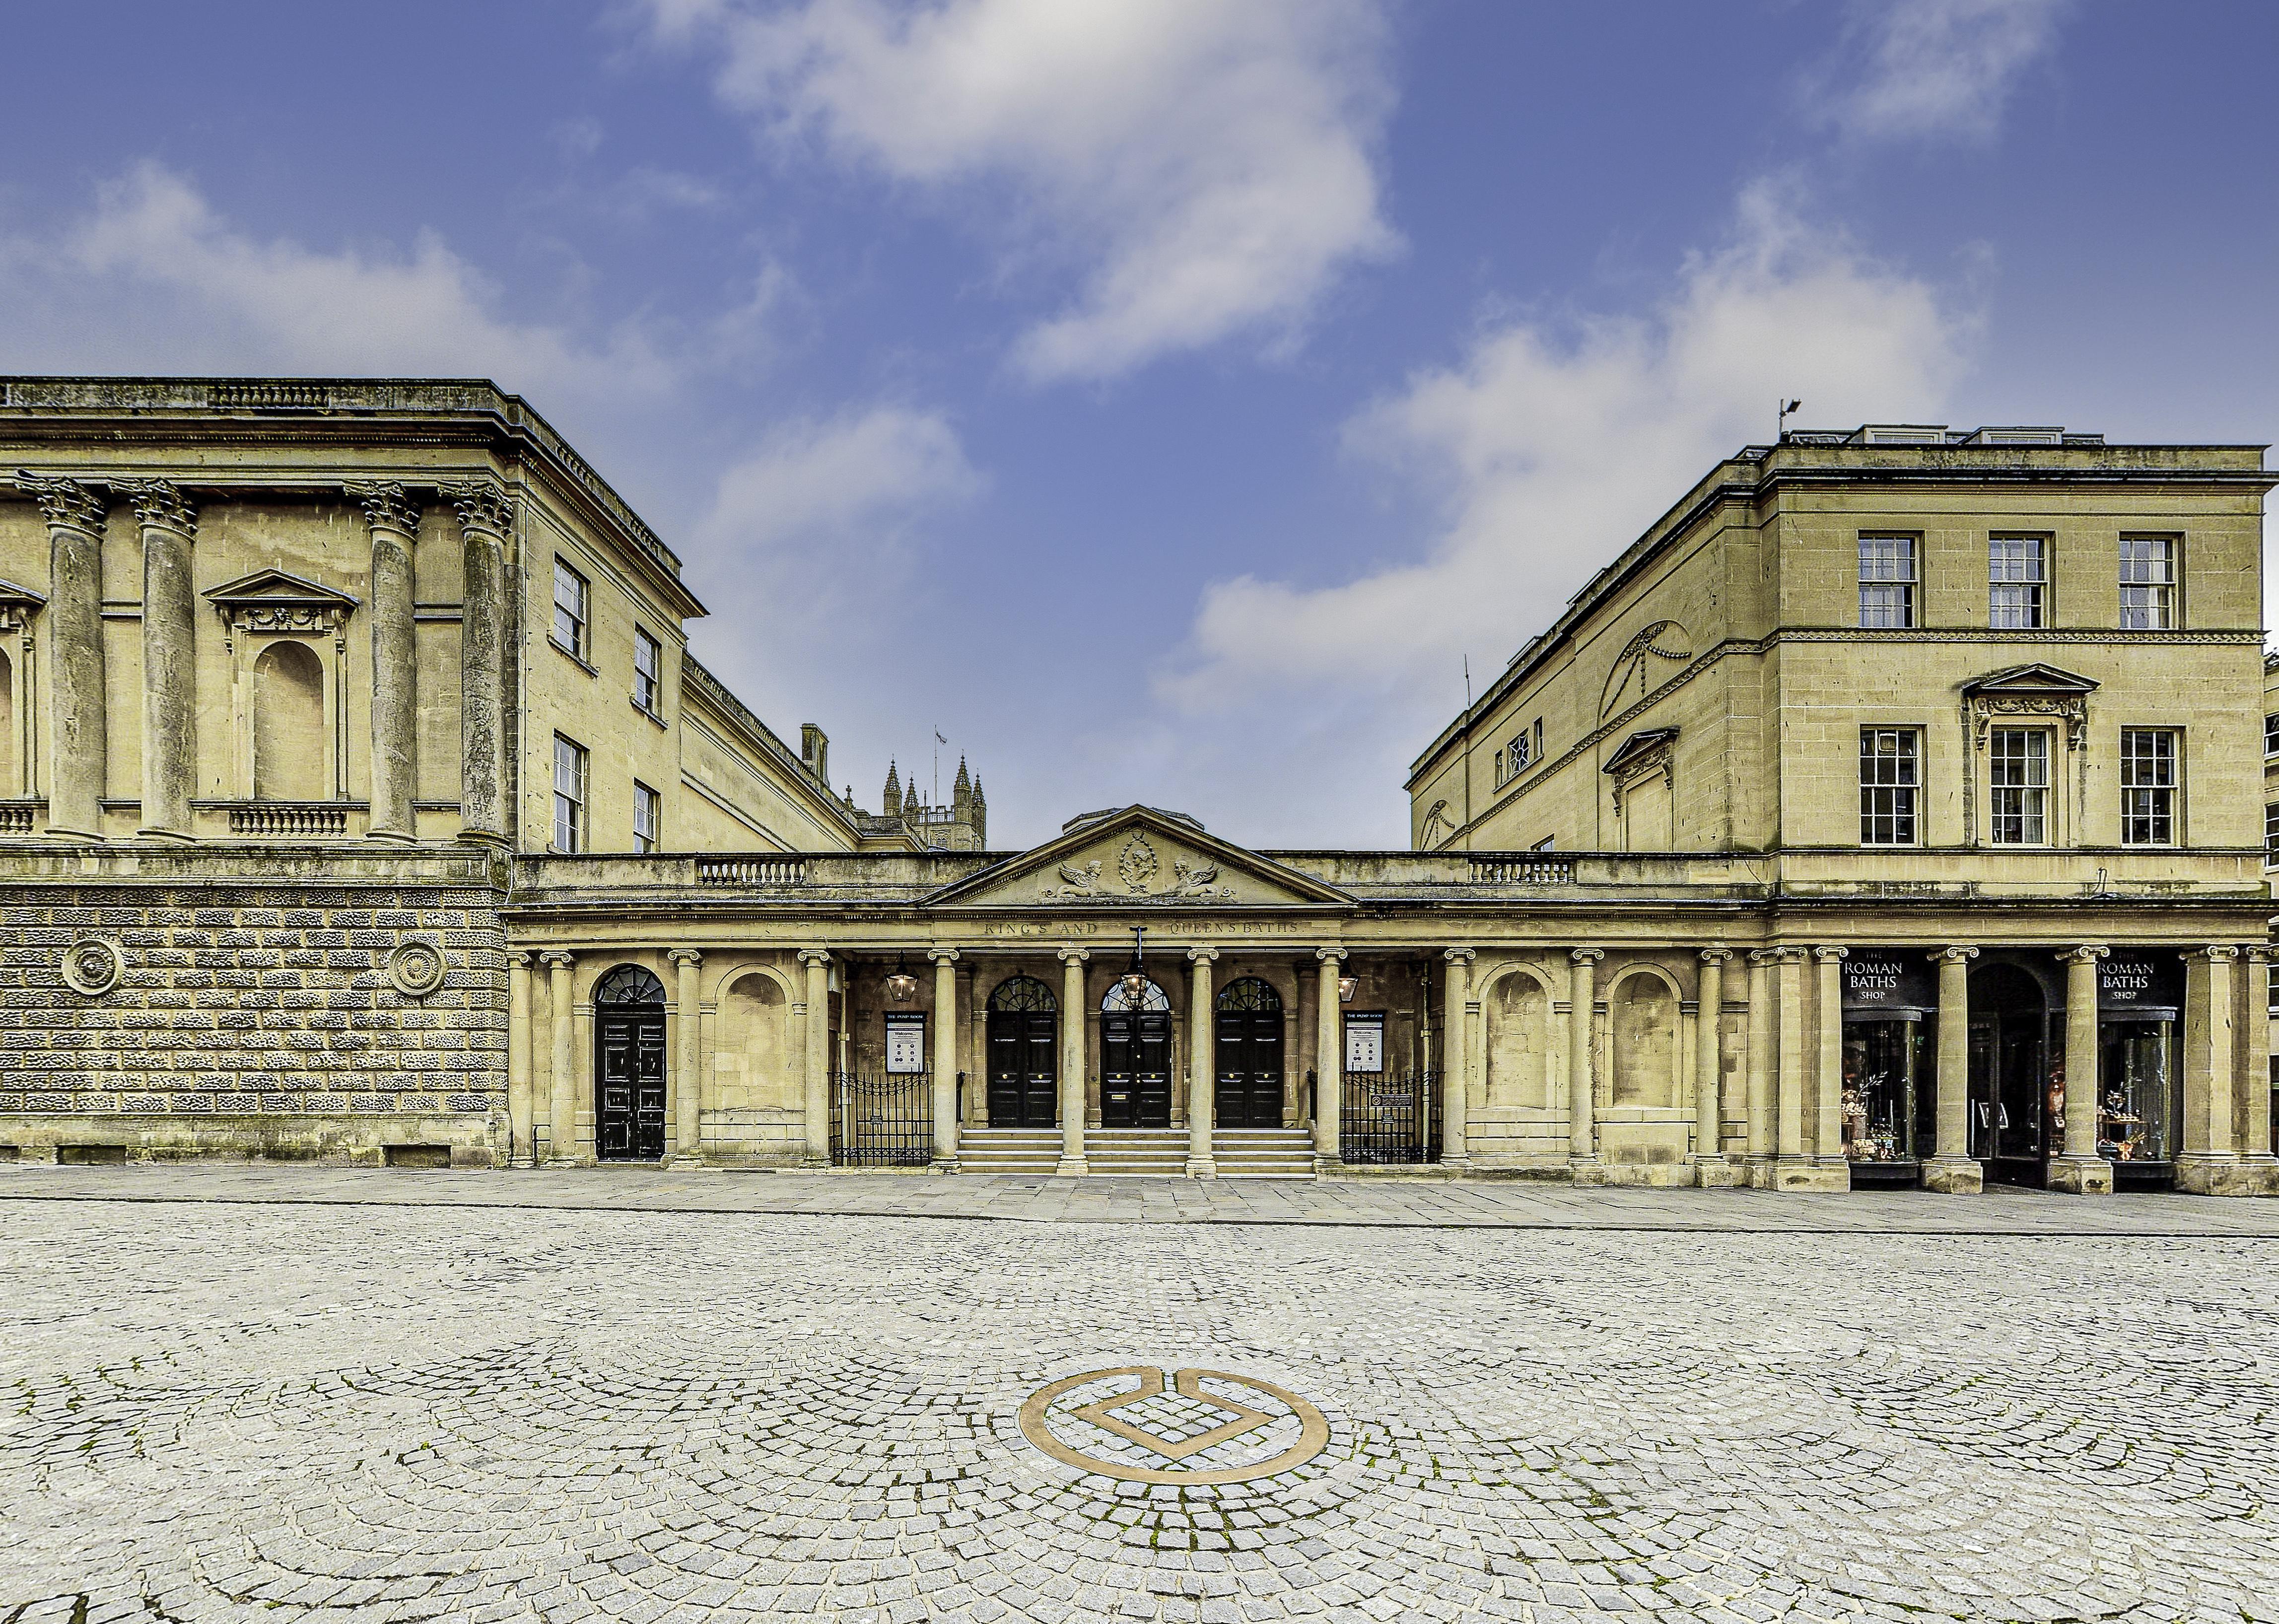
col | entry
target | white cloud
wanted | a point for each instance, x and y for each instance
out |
(153, 279)
(1206, 164)
(1931, 68)
(1551, 451)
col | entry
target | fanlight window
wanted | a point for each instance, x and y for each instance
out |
(1249, 994)
(1153, 1002)
(1023, 993)
(629, 983)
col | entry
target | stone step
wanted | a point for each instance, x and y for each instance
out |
(1140, 1152)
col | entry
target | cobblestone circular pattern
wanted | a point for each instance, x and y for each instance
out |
(305, 1416)
(1202, 1427)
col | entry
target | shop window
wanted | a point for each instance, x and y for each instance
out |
(1887, 580)
(2148, 786)
(1882, 1064)
(569, 795)
(646, 804)
(290, 761)
(2018, 766)
(570, 609)
(1890, 778)
(648, 660)
(2015, 579)
(2148, 583)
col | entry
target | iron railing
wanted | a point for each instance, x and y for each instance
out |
(1391, 1117)
(882, 1122)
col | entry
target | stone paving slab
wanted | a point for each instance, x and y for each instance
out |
(1383, 1201)
(309, 1412)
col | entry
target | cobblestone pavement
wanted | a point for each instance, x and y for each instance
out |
(296, 1411)
(1403, 1201)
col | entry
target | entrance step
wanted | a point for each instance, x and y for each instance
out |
(1264, 1153)
(1031, 1151)
(1139, 1153)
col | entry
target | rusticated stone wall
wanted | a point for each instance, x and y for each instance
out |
(295, 1017)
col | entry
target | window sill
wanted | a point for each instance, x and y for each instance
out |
(646, 711)
(573, 655)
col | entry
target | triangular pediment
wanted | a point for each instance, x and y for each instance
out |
(277, 589)
(1638, 746)
(2034, 677)
(21, 597)
(1139, 858)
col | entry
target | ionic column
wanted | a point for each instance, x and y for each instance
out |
(170, 677)
(687, 1061)
(78, 738)
(395, 525)
(1329, 1058)
(1951, 1171)
(562, 1078)
(944, 1082)
(486, 520)
(1761, 1065)
(2080, 1170)
(1788, 1126)
(1582, 1060)
(1828, 1149)
(1075, 1017)
(1202, 1068)
(521, 1110)
(1456, 1083)
(816, 1085)
(1710, 1166)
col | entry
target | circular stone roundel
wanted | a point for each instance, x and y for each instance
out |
(416, 969)
(93, 966)
(1205, 1427)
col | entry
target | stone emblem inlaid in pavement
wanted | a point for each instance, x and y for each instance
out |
(1206, 1426)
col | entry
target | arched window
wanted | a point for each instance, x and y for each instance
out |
(1152, 1001)
(1249, 994)
(629, 983)
(1023, 993)
(289, 758)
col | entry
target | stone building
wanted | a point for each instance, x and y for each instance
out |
(1697, 894)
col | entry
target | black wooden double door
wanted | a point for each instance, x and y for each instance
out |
(1024, 1069)
(1249, 1082)
(629, 1107)
(1135, 1068)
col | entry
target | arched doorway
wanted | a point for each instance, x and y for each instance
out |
(1250, 1054)
(1135, 1057)
(2011, 1116)
(629, 1066)
(1023, 1054)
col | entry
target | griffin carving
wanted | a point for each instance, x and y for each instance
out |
(1082, 882)
(1194, 882)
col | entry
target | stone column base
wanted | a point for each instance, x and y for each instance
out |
(574, 1161)
(1808, 1175)
(1587, 1169)
(1456, 1167)
(1071, 1167)
(2207, 1174)
(944, 1164)
(1200, 1167)
(523, 1161)
(1716, 1173)
(1953, 1176)
(1328, 1167)
(2081, 1174)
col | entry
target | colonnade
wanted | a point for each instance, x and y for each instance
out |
(76, 510)
(1790, 1092)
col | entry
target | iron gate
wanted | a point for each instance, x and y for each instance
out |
(882, 1122)
(1391, 1117)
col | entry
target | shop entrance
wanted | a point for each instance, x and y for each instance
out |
(1135, 1057)
(2017, 1103)
(1025, 1032)
(2139, 996)
(1887, 1098)
(1250, 1044)
(629, 1066)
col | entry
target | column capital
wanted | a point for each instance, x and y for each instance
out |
(159, 506)
(482, 506)
(556, 958)
(814, 958)
(942, 955)
(2219, 953)
(1586, 956)
(519, 957)
(684, 955)
(1764, 955)
(1201, 955)
(1716, 955)
(2088, 952)
(1072, 956)
(1460, 955)
(1953, 955)
(1831, 955)
(1330, 955)
(66, 504)
(386, 506)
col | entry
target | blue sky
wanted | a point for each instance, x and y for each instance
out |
(1161, 397)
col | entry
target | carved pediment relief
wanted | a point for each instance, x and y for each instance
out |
(18, 605)
(279, 600)
(1137, 859)
(2030, 690)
